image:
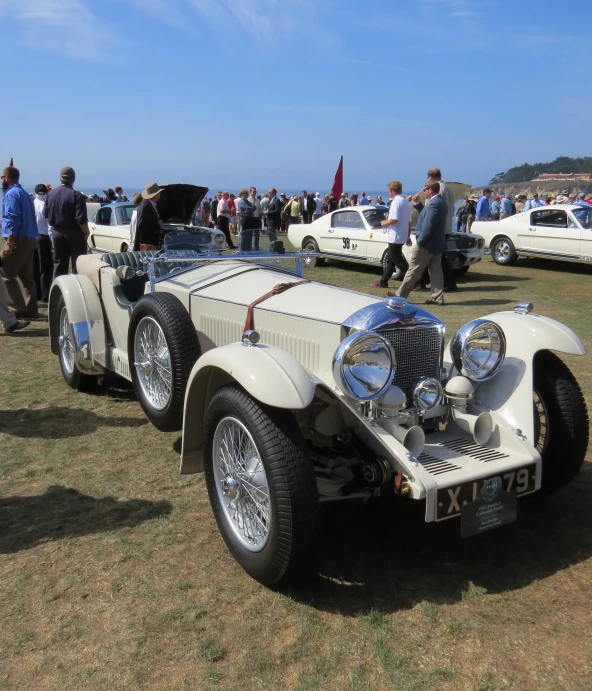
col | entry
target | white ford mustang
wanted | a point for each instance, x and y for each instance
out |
(291, 393)
(560, 231)
(355, 234)
(109, 225)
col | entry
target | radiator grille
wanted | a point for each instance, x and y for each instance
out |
(418, 351)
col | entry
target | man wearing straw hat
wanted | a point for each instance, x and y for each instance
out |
(149, 226)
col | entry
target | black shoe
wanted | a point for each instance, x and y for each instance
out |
(17, 326)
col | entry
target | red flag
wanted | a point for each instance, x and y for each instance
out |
(337, 188)
(11, 163)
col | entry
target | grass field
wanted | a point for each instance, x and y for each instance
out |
(114, 576)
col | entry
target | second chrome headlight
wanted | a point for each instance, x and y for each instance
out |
(478, 349)
(364, 365)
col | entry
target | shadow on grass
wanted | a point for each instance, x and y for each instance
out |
(555, 265)
(63, 512)
(113, 387)
(480, 301)
(390, 560)
(30, 333)
(58, 423)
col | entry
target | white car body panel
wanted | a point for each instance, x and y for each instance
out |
(532, 237)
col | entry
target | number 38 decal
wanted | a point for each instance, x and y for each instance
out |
(347, 244)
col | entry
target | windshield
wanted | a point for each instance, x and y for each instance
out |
(375, 216)
(124, 214)
(584, 216)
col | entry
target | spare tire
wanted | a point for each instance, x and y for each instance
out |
(162, 349)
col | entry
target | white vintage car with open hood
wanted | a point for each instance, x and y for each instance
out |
(354, 234)
(559, 231)
(109, 225)
(291, 393)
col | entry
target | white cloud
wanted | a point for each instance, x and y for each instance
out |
(68, 27)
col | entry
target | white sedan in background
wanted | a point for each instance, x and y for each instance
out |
(560, 231)
(355, 234)
(109, 224)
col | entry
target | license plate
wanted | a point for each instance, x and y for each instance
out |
(450, 500)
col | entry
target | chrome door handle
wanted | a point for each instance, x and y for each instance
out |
(331, 230)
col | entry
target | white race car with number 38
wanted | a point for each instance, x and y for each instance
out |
(354, 234)
(291, 393)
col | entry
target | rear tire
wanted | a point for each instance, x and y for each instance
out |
(310, 245)
(503, 252)
(124, 247)
(270, 522)
(561, 421)
(72, 375)
(162, 349)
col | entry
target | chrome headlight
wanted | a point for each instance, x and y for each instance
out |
(427, 394)
(218, 239)
(478, 349)
(364, 365)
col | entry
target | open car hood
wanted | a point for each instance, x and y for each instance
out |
(178, 203)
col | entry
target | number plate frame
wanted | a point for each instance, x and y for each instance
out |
(457, 496)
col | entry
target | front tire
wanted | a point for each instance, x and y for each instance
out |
(504, 252)
(162, 348)
(262, 487)
(66, 350)
(310, 245)
(561, 421)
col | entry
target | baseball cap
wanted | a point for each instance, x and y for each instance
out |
(40, 189)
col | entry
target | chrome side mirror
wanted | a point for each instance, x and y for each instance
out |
(124, 273)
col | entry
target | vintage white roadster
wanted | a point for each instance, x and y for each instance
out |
(291, 393)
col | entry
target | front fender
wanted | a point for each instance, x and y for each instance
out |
(269, 374)
(509, 392)
(86, 319)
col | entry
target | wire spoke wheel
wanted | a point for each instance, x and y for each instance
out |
(152, 362)
(241, 483)
(66, 344)
(541, 428)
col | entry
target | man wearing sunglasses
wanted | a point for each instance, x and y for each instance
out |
(430, 233)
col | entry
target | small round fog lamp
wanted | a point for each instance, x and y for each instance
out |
(427, 394)
(251, 338)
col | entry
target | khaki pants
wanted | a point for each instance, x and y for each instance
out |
(6, 316)
(420, 261)
(19, 265)
(470, 219)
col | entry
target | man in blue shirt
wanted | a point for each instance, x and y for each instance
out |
(506, 206)
(483, 211)
(363, 200)
(19, 229)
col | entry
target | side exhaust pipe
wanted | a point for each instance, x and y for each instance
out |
(412, 438)
(479, 426)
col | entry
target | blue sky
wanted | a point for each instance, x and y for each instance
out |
(240, 92)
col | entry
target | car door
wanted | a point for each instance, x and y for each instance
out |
(100, 229)
(551, 235)
(349, 237)
(582, 217)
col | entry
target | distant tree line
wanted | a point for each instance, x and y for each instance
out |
(527, 171)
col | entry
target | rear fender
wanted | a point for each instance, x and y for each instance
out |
(510, 391)
(86, 319)
(269, 374)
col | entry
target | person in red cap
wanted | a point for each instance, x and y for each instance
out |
(496, 208)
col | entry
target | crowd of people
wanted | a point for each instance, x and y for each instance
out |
(490, 207)
(46, 232)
